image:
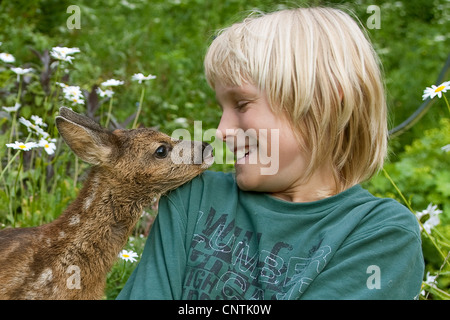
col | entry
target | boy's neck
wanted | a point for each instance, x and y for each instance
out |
(319, 186)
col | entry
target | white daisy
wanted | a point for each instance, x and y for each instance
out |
(140, 77)
(21, 71)
(32, 126)
(73, 94)
(38, 121)
(431, 92)
(12, 109)
(26, 122)
(183, 122)
(433, 212)
(22, 146)
(49, 146)
(112, 83)
(62, 85)
(128, 255)
(65, 50)
(7, 57)
(63, 53)
(107, 93)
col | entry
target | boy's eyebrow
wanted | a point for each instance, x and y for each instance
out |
(236, 93)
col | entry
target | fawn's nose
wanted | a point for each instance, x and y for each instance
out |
(207, 150)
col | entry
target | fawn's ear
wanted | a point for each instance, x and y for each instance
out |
(79, 119)
(89, 143)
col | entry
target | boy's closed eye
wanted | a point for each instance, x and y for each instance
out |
(241, 105)
(238, 97)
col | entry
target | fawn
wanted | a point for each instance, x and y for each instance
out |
(130, 167)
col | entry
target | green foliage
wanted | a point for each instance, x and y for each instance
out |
(169, 39)
(422, 173)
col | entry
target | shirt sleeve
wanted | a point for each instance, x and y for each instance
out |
(160, 272)
(386, 263)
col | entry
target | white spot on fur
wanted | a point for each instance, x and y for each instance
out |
(88, 201)
(75, 219)
(45, 277)
(42, 281)
(62, 234)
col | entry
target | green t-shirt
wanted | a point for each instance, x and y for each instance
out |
(213, 241)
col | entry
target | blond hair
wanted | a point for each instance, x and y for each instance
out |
(318, 68)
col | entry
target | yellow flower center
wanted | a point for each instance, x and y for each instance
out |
(440, 88)
(126, 255)
(46, 146)
(22, 146)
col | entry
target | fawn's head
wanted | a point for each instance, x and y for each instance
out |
(141, 161)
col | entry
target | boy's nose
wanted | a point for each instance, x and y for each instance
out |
(226, 127)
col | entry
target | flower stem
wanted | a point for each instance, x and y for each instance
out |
(398, 190)
(20, 90)
(13, 158)
(109, 112)
(410, 208)
(446, 101)
(124, 269)
(14, 214)
(14, 119)
(139, 108)
(435, 290)
(9, 163)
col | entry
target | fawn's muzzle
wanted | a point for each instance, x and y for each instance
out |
(192, 152)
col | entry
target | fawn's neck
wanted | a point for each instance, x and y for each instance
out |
(97, 224)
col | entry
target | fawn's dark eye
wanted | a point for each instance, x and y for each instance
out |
(162, 152)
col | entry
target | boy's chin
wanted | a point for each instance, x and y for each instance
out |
(249, 178)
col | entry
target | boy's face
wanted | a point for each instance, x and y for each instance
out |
(268, 155)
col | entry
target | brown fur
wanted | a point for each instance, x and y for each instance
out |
(43, 262)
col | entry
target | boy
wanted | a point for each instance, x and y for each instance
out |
(307, 79)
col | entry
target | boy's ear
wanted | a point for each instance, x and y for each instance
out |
(85, 137)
